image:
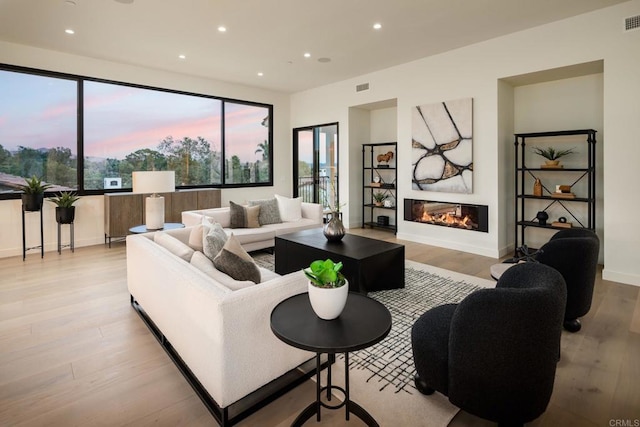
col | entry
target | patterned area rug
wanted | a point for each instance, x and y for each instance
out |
(381, 376)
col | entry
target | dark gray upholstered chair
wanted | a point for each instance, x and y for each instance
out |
(494, 354)
(574, 253)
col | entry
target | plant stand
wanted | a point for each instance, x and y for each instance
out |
(71, 238)
(24, 240)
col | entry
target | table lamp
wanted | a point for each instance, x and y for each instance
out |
(154, 182)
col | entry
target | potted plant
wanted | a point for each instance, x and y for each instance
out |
(33, 195)
(65, 211)
(328, 288)
(552, 155)
(378, 198)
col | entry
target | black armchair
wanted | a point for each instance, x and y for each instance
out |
(574, 253)
(494, 354)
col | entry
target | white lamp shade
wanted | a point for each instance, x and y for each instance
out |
(152, 182)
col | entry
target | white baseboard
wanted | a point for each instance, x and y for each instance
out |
(616, 276)
(50, 247)
(458, 246)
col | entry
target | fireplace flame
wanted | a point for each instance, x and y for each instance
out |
(447, 219)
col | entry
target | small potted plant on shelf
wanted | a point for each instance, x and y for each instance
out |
(33, 195)
(552, 155)
(65, 211)
(328, 288)
(378, 198)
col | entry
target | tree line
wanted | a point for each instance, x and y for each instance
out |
(193, 160)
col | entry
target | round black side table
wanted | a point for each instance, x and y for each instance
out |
(363, 322)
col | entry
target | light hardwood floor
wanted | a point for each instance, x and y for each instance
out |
(73, 352)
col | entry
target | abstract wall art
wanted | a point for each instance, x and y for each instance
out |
(442, 147)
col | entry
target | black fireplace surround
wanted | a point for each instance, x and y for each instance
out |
(447, 214)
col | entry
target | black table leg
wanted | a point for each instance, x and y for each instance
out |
(350, 406)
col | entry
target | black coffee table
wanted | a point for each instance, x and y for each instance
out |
(369, 264)
(362, 323)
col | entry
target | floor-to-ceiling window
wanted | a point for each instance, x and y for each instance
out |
(89, 135)
(38, 130)
(315, 168)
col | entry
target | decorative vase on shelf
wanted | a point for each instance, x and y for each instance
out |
(537, 187)
(334, 229)
(328, 303)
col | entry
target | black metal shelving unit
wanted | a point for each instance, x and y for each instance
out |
(526, 175)
(387, 175)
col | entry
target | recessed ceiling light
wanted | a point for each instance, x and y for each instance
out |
(260, 74)
(307, 55)
(222, 29)
(377, 26)
(69, 31)
(182, 56)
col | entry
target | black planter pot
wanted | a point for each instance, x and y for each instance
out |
(65, 215)
(32, 202)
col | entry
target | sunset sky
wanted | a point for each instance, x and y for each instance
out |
(39, 112)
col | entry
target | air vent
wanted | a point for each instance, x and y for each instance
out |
(632, 23)
(361, 87)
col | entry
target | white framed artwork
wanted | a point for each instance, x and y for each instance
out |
(442, 147)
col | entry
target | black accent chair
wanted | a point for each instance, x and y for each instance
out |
(574, 253)
(495, 353)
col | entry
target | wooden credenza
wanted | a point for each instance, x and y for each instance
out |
(125, 210)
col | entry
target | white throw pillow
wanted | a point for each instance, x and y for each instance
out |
(290, 209)
(196, 237)
(173, 245)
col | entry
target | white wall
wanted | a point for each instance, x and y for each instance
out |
(475, 71)
(573, 103)
(89, 224)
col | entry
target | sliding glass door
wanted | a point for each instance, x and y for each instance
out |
(315, 165)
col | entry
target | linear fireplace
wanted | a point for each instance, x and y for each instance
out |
(447, 214)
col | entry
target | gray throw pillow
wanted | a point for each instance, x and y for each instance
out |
(234, 261)
(214, 241)
(243, 216)
(269, 212)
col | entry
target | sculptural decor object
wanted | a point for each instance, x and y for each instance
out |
(334, 229)
(542, 217)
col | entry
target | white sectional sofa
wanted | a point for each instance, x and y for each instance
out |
(223, 336)
(262, 237)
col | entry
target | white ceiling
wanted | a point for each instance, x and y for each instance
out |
(270, 36)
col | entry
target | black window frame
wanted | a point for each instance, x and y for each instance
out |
(79, 79)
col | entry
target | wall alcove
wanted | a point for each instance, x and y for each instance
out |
(570, 97)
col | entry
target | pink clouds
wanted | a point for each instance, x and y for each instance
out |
(122, 144)
(61, 110)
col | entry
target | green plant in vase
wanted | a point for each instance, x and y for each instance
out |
(325, 274)
(65, 211)
(328, 288)
(552, 155)
(66, 199)
(378, 198)
(33, 190)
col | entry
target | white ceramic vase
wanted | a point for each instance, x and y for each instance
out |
(328, 303)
